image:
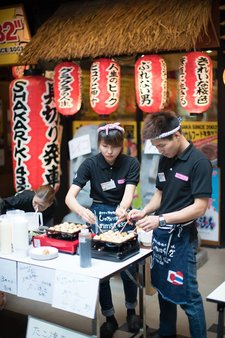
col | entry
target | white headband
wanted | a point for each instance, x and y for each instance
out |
(110, 126)
(167, 133)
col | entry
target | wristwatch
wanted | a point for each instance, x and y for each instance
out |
(162, 221)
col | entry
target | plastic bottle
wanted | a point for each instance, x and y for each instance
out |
(85, 248)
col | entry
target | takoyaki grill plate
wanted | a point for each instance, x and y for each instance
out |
(115, 252)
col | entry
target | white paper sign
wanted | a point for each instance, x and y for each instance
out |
(75, 293)
(149, 148)
(8, 281)
(35, 282)
(37, 328)
(79, 146)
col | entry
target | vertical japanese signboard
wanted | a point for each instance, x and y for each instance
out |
(14, 34)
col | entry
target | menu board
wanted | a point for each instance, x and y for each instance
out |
(75, 293)
(35, 282)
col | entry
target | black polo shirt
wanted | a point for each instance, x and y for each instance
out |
(182, 179)
(95, 169)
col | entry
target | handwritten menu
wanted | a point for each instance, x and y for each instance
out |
(75, 293)
(35, 282)
(37, 328)
(8, 276)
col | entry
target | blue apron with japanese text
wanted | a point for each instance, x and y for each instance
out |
(169, 262)
(106, 218)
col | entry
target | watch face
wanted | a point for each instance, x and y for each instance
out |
(162, 221)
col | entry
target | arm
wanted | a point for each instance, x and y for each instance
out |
(191, 212)
(121, 211)
(151, 207)
(75, 206)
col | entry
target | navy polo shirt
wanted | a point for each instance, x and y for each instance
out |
(182, 179)
(95, 169)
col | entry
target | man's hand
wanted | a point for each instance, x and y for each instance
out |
(135, 215)
(148, 223)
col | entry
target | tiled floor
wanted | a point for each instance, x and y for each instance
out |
(210, 275)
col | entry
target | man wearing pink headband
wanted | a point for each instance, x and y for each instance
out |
(183, 189)
(113, 178)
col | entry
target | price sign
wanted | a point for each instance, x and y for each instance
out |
(8, 281)
(41, 329)
(14, 34)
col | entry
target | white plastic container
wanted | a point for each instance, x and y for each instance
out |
(5, 235)
(34, 219)
(20, 236)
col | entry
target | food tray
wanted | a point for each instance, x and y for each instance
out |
(67, 231)
(111, 238)
(115, 252)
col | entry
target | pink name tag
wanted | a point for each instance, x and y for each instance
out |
(121, 181)
(181, 177)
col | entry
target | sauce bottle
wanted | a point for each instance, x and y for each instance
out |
(85, 248)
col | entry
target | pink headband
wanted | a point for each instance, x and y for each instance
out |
(110, 126)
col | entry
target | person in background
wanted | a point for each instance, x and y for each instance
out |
(42, 200)
(183, 189)
(113, 178)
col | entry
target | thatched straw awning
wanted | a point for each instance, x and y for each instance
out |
(109, 28)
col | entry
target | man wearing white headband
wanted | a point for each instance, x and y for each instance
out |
(183, 189)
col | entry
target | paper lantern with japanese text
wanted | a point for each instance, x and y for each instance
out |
(151, 83)
(67, 88)
(35, 133)
(104, 86)
(195, 82)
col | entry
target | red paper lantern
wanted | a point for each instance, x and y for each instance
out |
(67, 88)
(104, 86)
(151, 83)
(35, 141)
(195, 82)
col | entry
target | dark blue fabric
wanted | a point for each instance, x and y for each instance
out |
(193, 307)
(169, 263)
(106, 218)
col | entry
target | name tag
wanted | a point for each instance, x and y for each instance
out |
(161, 177)
(108, 185)
(181, 177)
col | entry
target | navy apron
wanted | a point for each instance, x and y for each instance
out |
(106, 218)
(169, 262)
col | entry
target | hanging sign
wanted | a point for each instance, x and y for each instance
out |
(151, 83)
(195, 82)
(14, 34)
(67, 88)
(35, 133)
(104, 86)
